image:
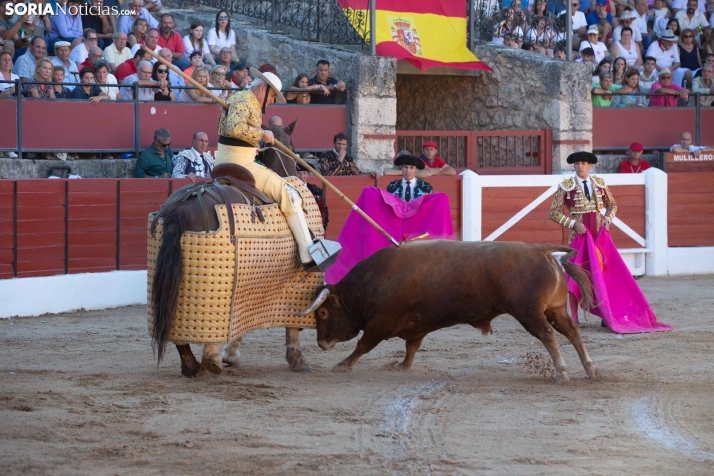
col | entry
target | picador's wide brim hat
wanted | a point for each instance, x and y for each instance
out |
(409, 159)
(271, 80)
(588, 157)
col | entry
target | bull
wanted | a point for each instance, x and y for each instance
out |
(425, 286)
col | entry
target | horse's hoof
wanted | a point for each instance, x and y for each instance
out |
(212, 367)
(562, 378)
(340, 368)
(298, 363)
(194, 372)
(232, 361)
(592, 371)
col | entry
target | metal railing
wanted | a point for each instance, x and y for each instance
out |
(325, 21)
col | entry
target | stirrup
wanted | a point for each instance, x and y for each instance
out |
(324, 254)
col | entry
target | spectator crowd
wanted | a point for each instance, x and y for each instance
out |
(641, 52)
(43, 49)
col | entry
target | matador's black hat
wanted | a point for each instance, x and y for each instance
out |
(409, 159)
(582, 157)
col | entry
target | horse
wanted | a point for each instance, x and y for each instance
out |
(187, 210)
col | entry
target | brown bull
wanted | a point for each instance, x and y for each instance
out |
(425, 286)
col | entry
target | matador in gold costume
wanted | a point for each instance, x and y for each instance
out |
(587, 198)
(239, 130)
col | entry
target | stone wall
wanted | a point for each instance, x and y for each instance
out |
(87, 168)
(525, 91)
(370, 80)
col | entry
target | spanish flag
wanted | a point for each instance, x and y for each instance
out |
(426, 33)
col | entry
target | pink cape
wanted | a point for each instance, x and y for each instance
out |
(359, 239)
(619, 302)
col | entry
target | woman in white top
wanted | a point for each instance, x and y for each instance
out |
(592, 42)
(195, 41)
(627, 49)
(105, 79)
(6, 74)
(222, 36)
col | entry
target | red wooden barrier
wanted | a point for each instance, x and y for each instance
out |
(92, 225)
(339, 209)
(654, 127)
(690, 206)
(8, 131)
(137, 199)
(631, 210)
(77, 125)
(40, 227)
(317, 125)
(181, 119)
(7, 217)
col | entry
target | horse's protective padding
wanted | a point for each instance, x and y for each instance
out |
(270, 287)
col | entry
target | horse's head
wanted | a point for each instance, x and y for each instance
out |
(277, 161)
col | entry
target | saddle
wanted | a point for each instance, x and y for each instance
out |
(224, 175)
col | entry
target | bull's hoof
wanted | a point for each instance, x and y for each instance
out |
(562, 378)
(340, 368)
(402, 366)
(297, 362)
(193, 372)
(592, 371)
(212, 367)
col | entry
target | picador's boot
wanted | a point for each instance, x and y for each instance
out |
(316, 254)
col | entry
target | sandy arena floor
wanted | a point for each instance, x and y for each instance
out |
(80, 393)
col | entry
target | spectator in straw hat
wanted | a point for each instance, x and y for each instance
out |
(634, 164)
(665, 51)
(667, 93)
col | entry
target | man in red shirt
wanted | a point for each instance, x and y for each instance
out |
(172, 40)
(129, 67)
(435, 164)
(635, 164)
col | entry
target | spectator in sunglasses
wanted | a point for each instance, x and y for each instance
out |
(164, 92)
(157, 160)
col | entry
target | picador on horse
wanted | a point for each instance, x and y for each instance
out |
(220, 261)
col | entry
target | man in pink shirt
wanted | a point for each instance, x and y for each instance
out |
(668, 93)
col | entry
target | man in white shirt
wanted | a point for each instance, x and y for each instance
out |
(80, 53)
(116, 53)
(665, 51)
(578, 22)
(678, 5)
(151, 40)
(648, 77)
(685, 146)
(640, 21)
(692, 19)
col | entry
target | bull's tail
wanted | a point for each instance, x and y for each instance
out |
(579, 275)
(167, 278)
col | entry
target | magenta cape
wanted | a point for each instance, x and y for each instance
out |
(359, 239)
(619, 302)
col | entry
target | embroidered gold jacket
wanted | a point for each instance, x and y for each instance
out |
(242, 119)
(570, 193)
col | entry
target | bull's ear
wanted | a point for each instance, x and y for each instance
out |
(291, 127)
(334, 300)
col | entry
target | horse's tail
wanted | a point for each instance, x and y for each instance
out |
(580, 276)
(167, 278)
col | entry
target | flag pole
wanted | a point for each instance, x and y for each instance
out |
(372, 27)
(280, 146)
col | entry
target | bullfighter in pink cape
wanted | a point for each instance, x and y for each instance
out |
(619, 302)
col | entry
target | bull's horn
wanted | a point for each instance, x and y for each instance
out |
(322, 297)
